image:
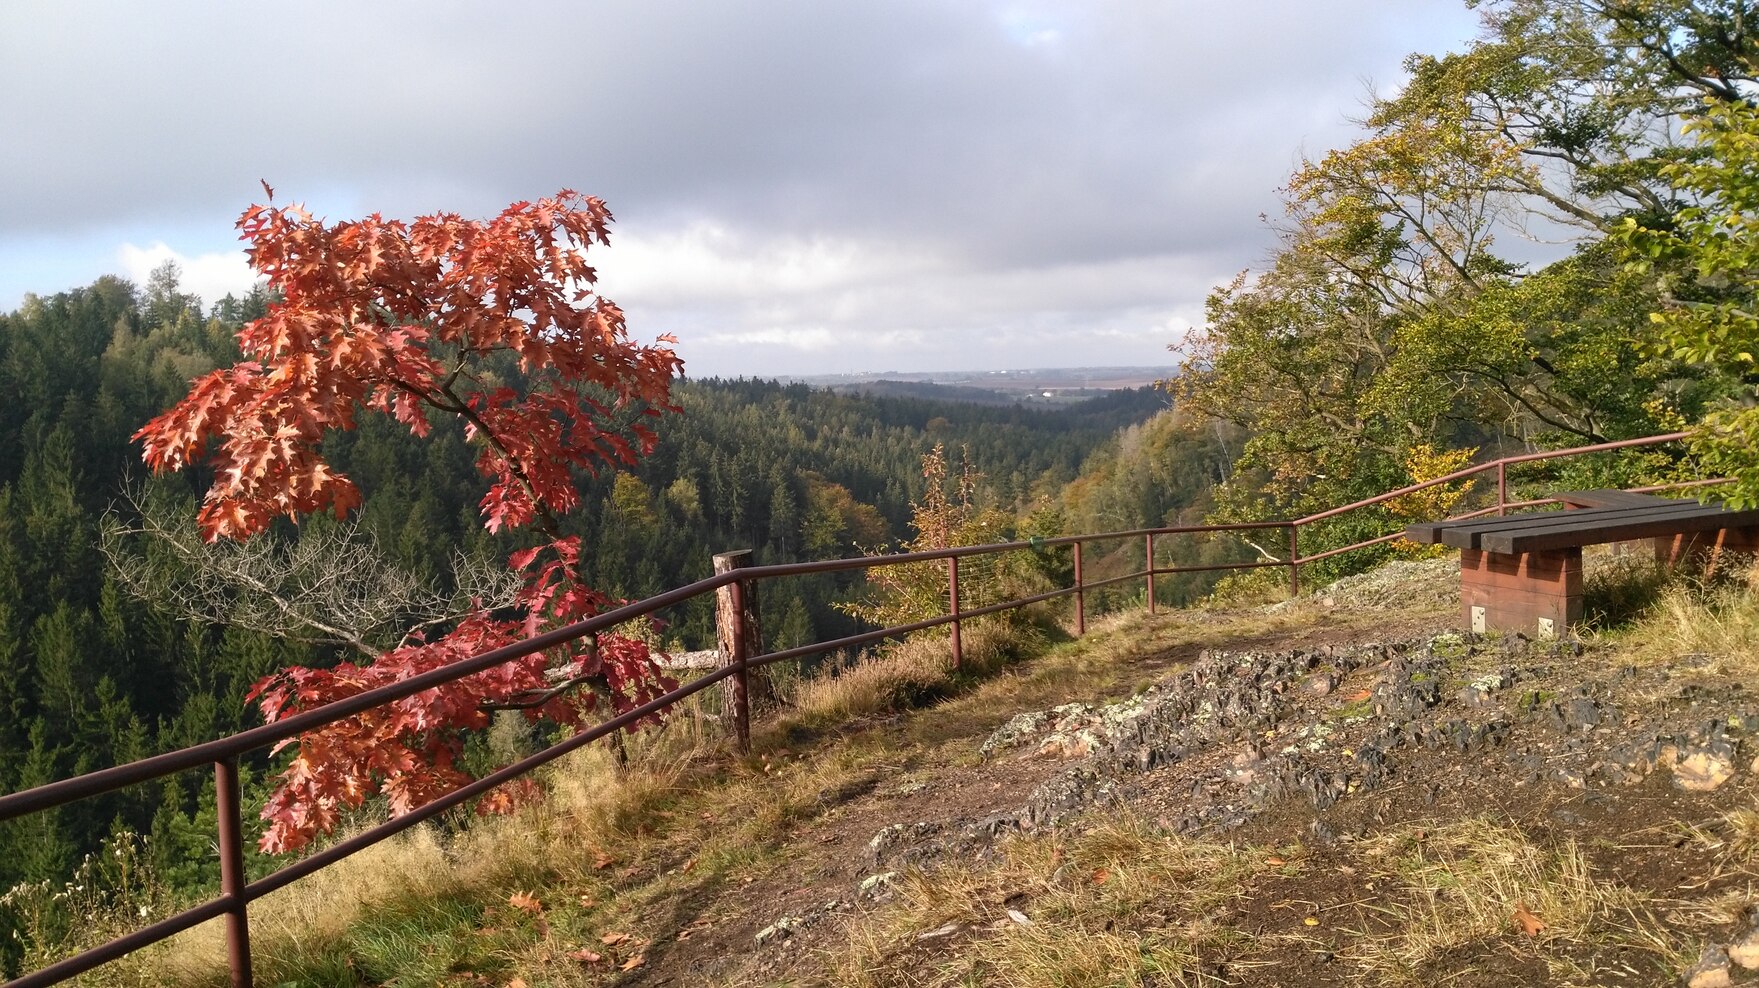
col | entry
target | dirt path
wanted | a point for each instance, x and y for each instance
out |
(933, 789)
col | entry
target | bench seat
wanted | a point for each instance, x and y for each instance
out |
(1539, 531)
(1524, 572)
(1606, 499)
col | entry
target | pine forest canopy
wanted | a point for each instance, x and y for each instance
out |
(93, 673)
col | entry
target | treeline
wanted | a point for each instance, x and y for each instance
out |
(93, 675)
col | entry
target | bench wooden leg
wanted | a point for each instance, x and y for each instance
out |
(1536, 593)
(1705, 551)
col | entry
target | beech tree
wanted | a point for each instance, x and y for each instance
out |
(1393, 321)
(494, 323)
(1707, 258)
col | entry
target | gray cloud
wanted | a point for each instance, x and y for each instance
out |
(996, 167)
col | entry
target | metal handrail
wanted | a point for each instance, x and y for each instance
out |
(224, 753)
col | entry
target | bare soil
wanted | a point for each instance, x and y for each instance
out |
(938, 791)
(1558, 742)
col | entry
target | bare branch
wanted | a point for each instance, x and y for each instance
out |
(331, 586)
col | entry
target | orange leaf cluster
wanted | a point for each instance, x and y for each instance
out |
(399, 318)
(405, 319)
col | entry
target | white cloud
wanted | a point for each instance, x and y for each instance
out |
(1006, 181)
(210, 276)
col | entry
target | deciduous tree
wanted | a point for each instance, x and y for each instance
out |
(495, 323)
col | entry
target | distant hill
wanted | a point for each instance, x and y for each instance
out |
(927, 390)
(1019, 383)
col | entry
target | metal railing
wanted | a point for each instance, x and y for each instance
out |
(236, 892)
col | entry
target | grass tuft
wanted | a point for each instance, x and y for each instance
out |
(1122, 904)
(1713, 624)
(1471, 885)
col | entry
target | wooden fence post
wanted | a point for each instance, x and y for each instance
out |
(1080, 596)
(232, 876)
(1294, 561)
(1149, 567)
(738, 637)
(953, 609)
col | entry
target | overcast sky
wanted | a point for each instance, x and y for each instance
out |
(808, 187)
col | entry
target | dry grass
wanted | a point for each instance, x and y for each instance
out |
(1126, 905)
(1470, 884)
(407, 903)
(1121, 904)
(1714, 625)
(910, 674)
(592, 804)
(684, 821)
(1743, 834)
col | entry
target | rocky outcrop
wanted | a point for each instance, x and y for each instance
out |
(1234, 734)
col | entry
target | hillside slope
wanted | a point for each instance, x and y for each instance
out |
(1338, 791)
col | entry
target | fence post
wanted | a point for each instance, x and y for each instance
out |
(1294, 560)
(232, 880)
(953, 609)
(1149, 556)
(737, 634)
(1080, 596)
(1502, 488)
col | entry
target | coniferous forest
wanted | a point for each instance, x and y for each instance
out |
(93, 673)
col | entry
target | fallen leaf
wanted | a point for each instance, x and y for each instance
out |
(587, 902)
(525, 901)
(1100, 875)
(1275, 861)
(1311, 921)
(613, 939)
(585, 956)
(1529, 924)
(602, 861)
(685, 934)
(684, 869)
(634, 962)
(517, 983)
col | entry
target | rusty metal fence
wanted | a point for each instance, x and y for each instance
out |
(223, 755)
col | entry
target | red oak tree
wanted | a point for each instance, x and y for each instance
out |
(404, 318)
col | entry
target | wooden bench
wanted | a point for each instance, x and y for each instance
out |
(1524, 572)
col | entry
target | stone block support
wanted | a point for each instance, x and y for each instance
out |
(1536, 593)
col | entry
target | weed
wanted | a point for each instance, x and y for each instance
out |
(1122, 903)
(1475, 883)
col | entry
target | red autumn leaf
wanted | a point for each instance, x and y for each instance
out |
(1526, 922)
(585, 956)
